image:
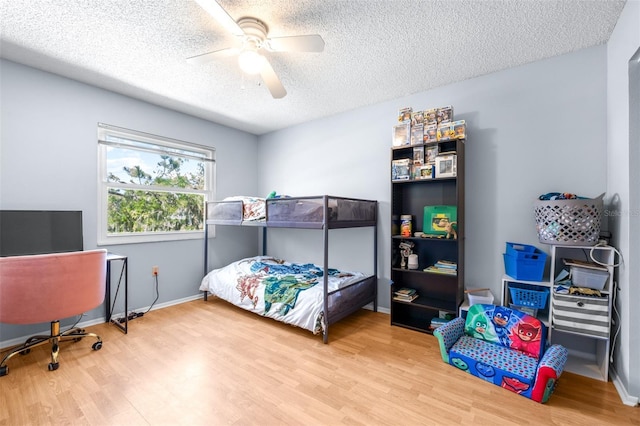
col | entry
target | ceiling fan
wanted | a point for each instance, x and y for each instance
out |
(252, 40)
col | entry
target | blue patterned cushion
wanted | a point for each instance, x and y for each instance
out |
(505, 367)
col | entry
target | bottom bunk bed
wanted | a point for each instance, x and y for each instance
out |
(298, 294)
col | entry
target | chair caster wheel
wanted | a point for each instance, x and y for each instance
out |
(4, 370)
(97, 346)
(53, 366)
(26, 351)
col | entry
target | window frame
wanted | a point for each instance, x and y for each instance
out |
(163, 143)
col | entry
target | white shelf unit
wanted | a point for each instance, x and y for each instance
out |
(588, 354)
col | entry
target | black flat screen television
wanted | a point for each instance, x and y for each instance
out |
(24, 232)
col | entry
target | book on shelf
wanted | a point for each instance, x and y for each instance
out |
(584, 264)
(405, 298)
(446, 264)
(438, 270)
(437, 322)
(405, 294)
(405, 291)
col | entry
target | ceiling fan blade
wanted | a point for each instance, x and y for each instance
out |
(303, 43)
(272, 81)
(221, 16)
(210, 56)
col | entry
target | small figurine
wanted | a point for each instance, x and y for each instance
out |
(451, 231)
(405, 252)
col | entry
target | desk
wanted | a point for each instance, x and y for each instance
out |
(111, 257)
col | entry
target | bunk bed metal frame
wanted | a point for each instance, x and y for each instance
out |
(359, 293)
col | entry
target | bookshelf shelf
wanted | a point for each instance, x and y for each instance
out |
(438, 293)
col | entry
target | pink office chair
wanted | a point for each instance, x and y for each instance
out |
(50, 287)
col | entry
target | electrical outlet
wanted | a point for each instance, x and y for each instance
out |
(154, 270)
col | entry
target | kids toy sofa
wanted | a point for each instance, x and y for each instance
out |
(505, 347)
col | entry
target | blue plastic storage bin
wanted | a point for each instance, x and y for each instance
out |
(529, 296)
(524, 262)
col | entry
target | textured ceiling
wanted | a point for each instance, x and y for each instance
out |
(374, 50)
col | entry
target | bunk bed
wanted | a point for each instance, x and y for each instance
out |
(321, 295)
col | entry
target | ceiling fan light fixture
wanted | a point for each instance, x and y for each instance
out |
(253, 38)
(251, 62)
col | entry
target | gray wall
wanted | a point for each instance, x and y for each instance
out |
(531, 130)
(623, 187)
(48, 158)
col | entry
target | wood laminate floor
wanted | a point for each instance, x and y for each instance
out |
(209, 363)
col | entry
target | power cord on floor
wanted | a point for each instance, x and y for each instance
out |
(134, 315)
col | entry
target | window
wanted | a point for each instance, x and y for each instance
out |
(151, 188)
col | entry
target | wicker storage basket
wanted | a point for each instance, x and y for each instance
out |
(569, 222)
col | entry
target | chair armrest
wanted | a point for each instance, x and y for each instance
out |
(549, 370)
(555, 358)
(448, 334)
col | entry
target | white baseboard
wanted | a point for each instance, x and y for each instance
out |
(622, 391)
(167, 304)
(20, 340)
(95, 321)
(380, 309)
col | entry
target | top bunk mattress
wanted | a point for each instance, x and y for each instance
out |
(294, 212)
